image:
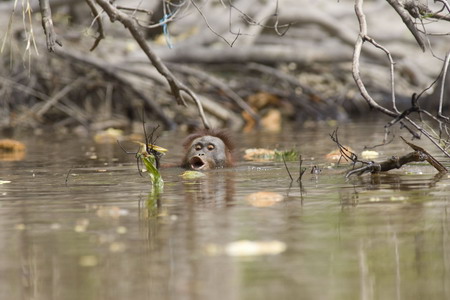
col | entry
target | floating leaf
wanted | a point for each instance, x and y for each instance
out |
(121, 230)
(255, 248)
(88, 261)
(261, 154)
(20, 226)
(11, 150)
(192, 175)
(9, 145)
(264, 199)
(369, 154)
(108, 136)
(116, 247)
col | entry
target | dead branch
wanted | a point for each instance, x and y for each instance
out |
(47, 24)
(63, 92)
(254, 31)
(408, 22)
(362, 37)
(203, 76)
(287, 169)
(301, 170)
(230, 118)
(176, 86)
(420, 10)
(395, 162)
(392, 163)
(67, 109)
(230, 43)
(98, 20)
(356, 57)
(107, 69)
(215, 109)
(428, 157)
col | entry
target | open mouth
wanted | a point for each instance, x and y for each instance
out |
(197, 163)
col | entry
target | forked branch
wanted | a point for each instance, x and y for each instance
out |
(363, 37)
(176, 86)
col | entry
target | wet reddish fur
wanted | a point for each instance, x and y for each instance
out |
(219, 133)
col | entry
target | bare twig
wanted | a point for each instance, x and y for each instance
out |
(429, 158)
(407, 20)
(134, 9)
(135, 156)
(264, 15)
(301, 170)
(67, 176)
(287, 169)
(47, 24)
(445, 3)
(344, 151)
(98, 20)
(362, 37)
(395, 162)
(219, 84)
(392, 64)
(176, 86)
(425, 133)
(60, 94)
(212, 30)
(392, 163)
(356, 56)
(114, 74)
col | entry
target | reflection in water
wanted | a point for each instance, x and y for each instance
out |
(104, 236)
(216, 189)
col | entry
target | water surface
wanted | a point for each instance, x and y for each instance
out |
(77, 222)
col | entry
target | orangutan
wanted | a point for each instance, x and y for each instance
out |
(208, 149)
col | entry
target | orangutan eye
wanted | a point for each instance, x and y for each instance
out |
(211, 147)
(198, 147)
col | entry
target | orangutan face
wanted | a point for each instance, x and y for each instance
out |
(206, 152)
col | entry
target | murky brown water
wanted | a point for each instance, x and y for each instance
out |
(94, 234)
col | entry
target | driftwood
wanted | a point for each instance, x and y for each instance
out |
(395, 162)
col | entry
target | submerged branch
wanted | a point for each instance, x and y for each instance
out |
(396, 162)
